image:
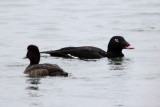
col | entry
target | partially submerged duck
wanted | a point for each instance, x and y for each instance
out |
(36, 69)
(115, 47)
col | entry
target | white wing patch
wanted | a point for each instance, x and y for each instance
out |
(72, 56)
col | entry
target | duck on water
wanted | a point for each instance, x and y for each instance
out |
(115, 47)
(36, 69)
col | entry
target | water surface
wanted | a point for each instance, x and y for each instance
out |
(132, 81)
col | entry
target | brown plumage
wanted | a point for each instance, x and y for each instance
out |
(36, 69)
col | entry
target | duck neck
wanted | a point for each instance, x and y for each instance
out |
(114, 52)
(35, 60)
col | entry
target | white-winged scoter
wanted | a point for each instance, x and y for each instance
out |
(115, 47)
(36, 69)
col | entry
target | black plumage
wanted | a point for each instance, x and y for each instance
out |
(115, 47)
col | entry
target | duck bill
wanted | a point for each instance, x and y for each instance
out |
(25, 58)
(129, 47)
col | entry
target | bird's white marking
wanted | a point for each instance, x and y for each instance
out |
(72, 56)
(116, 40)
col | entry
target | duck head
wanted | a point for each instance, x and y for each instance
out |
(117, 44)
(33, 54)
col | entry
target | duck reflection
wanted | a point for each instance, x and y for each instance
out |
(119, 63)
(33, 88)
(33, 81)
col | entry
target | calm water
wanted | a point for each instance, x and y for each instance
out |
(132, 81)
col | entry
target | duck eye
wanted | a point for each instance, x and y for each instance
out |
(116, 40)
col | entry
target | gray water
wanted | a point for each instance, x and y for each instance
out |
(132, 81)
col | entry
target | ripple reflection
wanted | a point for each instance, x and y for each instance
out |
(33, 81)
(119, 63)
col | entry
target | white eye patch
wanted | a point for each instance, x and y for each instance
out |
(116, 40)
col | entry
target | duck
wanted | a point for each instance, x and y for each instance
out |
(36, 69)
(115, 47)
